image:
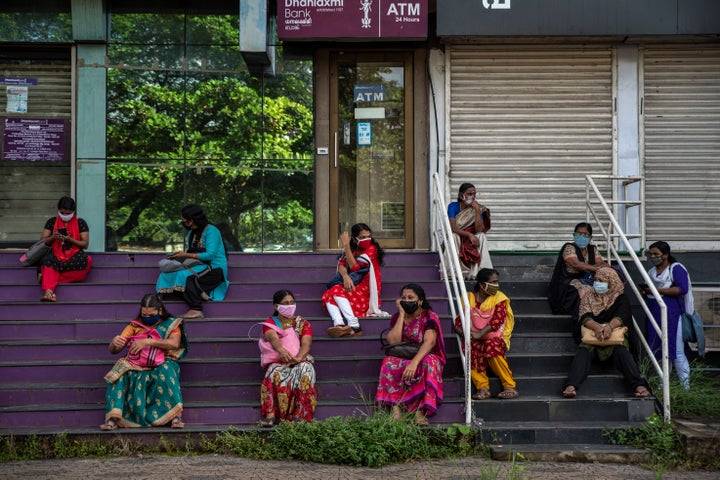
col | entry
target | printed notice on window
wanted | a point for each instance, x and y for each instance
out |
(17, 99)
(34, 140)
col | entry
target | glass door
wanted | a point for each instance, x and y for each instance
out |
(371, 176)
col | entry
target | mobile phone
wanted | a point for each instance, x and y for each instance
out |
(62, 231)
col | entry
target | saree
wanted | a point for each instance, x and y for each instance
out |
(365, 299)
(137, 397)
(287, 392)
(471, 256)
(501, 319)
(424, 391)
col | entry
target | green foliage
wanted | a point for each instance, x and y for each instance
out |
(657, 436)
(250, 444)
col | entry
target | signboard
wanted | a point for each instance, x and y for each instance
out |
(364, 134)
(369, 92)
(34, 140)
(349, 19)
(18, 81)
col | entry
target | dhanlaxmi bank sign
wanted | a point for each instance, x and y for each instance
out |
(352, 19)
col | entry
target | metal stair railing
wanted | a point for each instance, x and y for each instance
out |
(615, 238)
(451, 273)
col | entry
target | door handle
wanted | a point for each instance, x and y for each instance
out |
(335, 150)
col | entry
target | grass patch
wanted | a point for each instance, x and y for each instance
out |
(372, 441)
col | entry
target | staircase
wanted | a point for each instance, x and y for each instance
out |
(540, 423)
(53, 356)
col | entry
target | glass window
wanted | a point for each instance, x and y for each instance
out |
(188, 123)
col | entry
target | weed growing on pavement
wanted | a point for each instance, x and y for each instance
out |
(657, 436)
(63, 447)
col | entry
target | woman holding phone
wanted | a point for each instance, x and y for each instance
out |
(67, 235)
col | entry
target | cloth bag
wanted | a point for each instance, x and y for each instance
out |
(616, 338)
(400, 349)
(148, 357)
(288, 339)
(355, 276)
(35, 254)
(692, 331)
(168, 265)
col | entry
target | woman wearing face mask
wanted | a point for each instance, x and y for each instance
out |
(138, 396)
(68, 235)
(602, 310)
(207, 278)
(413, 385)
(288, 389)
(469, 221)
(492, 324)
(572, 278)
(350, 299)
(673, 283)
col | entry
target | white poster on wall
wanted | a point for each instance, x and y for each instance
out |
(17, 99)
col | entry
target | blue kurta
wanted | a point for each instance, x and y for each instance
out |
(214, 255)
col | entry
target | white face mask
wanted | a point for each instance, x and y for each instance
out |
(469, 200)
(66, 218)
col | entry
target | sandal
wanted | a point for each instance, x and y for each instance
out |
(48, 297)
(193, 315)
(421, 420)
(508, 393)
(482, 394)
(177, 423)
(569, 392)
(268, 422)
(110, 424)
(642, 392)
(339, 331)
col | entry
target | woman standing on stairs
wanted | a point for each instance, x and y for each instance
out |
(359, 297)
(602, 310)
(469, 221)
(139, 395)
(492, 325)
(288, 389)
(68, 235)
(207, 278)
(413, 384)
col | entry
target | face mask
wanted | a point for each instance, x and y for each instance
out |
(581, 240)
(286, 311)
(65, 218)
(364, 242)
(409, 307)
(469, 200)
(186, 227)
(151, 320)
(600, 287)
(657, 261)
(490, 288)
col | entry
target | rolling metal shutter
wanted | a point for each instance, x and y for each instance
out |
(34, 187)
(681, 122)
(525, 126)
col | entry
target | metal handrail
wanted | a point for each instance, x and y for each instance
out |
(451, 274)
(614, 232)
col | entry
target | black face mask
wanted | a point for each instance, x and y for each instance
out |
(186, 227)
(409, 307)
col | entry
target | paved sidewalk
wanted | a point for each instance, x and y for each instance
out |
(206, 467)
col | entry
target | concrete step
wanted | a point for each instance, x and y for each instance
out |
(571, 452)
(537, 433)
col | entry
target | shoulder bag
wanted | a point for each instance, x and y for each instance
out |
(355, 276)
(35, 254)
(288, 339)
(148, 357)
(400, 349)
(616, 338)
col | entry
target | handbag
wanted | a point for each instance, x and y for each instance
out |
(288, 339)
(406, 350)
(616, 338)
(35, 254)
(355, 276)
(148, 357)
(692, 331)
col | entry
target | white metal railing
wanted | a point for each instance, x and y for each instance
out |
(451, 274)
(616, 238)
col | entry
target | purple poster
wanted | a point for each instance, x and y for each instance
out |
(34, 140)
(367, 19)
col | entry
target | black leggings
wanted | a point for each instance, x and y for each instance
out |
(193, 293)
(622, 359)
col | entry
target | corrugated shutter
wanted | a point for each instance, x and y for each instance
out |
(526, 124)
(681, 122)
(30, 190)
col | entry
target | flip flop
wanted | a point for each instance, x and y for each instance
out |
(48, 297)
(508, 393)
(110, 424)
(569, 393)
(482, 394)
(642, 392)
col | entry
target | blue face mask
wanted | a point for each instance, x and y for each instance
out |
(581, 240)
(600, 287)
(152, 320)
